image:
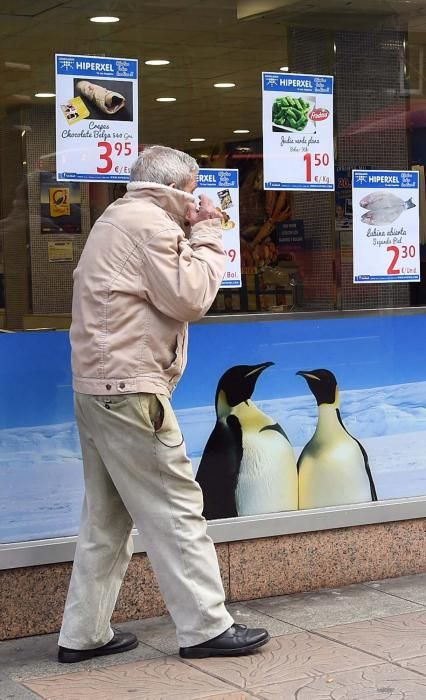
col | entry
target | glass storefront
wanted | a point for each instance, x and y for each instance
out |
(375, 54)
(200, 90)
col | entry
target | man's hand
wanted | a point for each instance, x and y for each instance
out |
(207, 210)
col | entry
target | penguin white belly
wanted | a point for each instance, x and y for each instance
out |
(268, 479)
(332, 475)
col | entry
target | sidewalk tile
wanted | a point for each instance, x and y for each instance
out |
(392, 638)
(37, 656)
(285, 658)
(408, 587)
(382, 682)
(232, 696)
(9, 690)
(416, 663)
(156, 679)
(160, 632)
(311, 611)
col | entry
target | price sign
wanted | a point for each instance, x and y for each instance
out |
(96, 118)
(222, 187)
(298, 132)
(386, 226)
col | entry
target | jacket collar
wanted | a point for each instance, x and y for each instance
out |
(175, 202)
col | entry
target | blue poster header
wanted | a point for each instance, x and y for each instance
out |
(392, 179)
(96, 66)
(291, 82)
(209, 177)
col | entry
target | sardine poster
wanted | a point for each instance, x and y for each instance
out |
(298, 146)
(386, 226)
(221, 186)
(96, 118)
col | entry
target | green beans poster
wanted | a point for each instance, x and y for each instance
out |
(298, 132)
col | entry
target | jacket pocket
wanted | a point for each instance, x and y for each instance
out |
(176, 367)
(164, 422)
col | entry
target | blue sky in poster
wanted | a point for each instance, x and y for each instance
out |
(362, 352)
(35, 377)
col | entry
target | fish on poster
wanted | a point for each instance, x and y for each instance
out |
(384, 207)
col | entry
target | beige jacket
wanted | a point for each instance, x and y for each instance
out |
(139, 281)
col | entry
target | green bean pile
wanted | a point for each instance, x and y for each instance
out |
(291, 111)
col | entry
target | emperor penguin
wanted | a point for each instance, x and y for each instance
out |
(333, 467)
(248, 466)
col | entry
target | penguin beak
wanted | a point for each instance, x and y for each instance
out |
(258, 369)
(308, 375)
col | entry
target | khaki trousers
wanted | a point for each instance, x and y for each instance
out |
(136, 471)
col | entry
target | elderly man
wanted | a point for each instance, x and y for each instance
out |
(152, 262)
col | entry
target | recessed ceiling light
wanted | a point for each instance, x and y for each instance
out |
(241, 131)
(224, 85)
(45, 94)
(157, 62)
(17, 66)
(104, 20)
(197, 139)
(165, 99)
(204, 155)
(284, 68)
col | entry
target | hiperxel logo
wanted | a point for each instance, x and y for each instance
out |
(66, 63)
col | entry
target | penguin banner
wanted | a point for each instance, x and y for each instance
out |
(248, 466)
(310, 415)
(277, 416)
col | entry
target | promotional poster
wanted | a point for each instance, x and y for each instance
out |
(298, 146)
(276, 417)
(60, 205)
(386, 226)
(96, 117)
(221, 186)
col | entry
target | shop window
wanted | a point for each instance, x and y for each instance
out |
(296, 247)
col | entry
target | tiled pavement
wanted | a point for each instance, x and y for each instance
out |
(362, 642)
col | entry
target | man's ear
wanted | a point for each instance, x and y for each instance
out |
(172, 184)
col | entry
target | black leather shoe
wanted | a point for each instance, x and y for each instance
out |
(121, 641)
(237, 640)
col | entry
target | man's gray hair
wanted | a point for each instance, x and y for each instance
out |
(164, 165)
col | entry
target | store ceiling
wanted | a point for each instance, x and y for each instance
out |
(298, 8)
(204, 40)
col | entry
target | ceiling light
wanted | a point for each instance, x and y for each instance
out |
(204, 155)
(157, 62)
(241, 131)
(45, 94)
(284, 68)
(165, 99)
(104, 20)
(197, 139)
(17, 66)
(224, 85)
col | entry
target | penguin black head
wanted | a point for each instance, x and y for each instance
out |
(323, 385)
(237, 385)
